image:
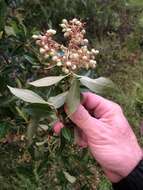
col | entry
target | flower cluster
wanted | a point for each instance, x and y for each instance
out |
(72, 57)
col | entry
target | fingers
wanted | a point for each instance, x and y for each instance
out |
(97, 104)
(80, 138)
(83, 119)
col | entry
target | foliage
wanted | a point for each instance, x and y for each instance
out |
(113, 27)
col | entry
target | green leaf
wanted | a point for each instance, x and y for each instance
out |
(138, 3)
(69, 177)
(99, 85)
(3, 9)
(9, 31)
(66, 133)
(4, 128)
(59, 100)
(73, 97)
(40, 110)
(47, 81)
(27, 95)
(1, 34)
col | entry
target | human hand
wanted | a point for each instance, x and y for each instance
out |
(103, 127)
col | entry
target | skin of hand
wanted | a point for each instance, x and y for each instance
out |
(102, 126)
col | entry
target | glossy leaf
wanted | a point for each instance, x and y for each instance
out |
(27, 95)
(10, 31)
(99, 85)
(40, 110)
(3, 9)
(59, 100)
(73, 97)
(66, 133)
(47, 81)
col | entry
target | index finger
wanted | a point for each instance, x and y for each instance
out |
(96, 104)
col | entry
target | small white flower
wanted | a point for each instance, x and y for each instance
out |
(63, 25)
(74, 20)
(59, 63)
(42, 50)
(84, 49)
(74, 56)
(46, 56)
(73, 67)
(66, 34)
(85, 41)
(83, 31)
(84, 57)
(35, 37)
(95, 51)
(78, 22)
(68, 63)
(65, 70)
(64, 21)
(46, 47)
(79, 51)
(87, 66)
(55, 58)
(51, 31)
(38, 42)
(93, 66)
(92, 62)
(68, 30)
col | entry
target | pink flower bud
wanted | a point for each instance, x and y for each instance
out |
(57, 127)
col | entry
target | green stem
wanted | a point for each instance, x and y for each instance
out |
(32, 128)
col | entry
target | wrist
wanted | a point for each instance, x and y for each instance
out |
(133, 181)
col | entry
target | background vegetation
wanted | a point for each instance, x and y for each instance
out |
(115, 27)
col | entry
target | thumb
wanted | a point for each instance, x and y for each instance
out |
(83, 119)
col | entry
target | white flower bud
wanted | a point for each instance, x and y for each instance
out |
(87, 66)
(73, 67)
(46, 56)
(65, 70)
(46, 47)
(79, 51)
(64, 21)
(84, 49)
(84, 57)
(38, 42)
(59, 63)
(43, 43)
(68, 63)
(35, 37)
(78, 22)
(93, 66)
(63, 25)
(74, 56)
(68, 30)
(51, 31)
(85, 41)
(95, 51)
(64, 30)
(92, 62)
(55, 58)
(74, 20)
(66, 34)
(83, 31)
(42, 50)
